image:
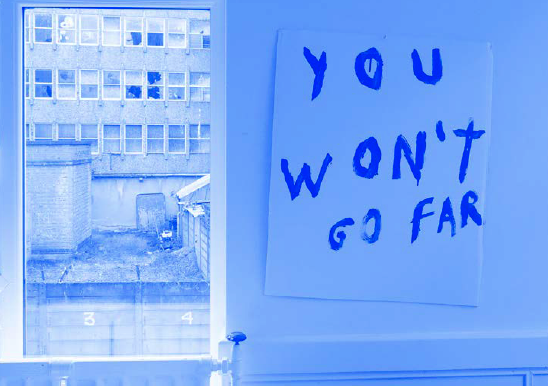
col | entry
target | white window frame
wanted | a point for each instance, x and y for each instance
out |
(126, 84)
(81, 29)
(81, 83)
(162, 86)
(184, 85)
(202, 88)
(12, 223)
(148, 19)
(142, 31)
(59, 131)
(103, 31)
(34, 28)
(28, 26)
(82, 138)
(163, 138)
(58, 29)
(134, 138)
(102, 86)
(58, 83)
(44, 138)
(198, 138)
(38, 83)
(111, 139)
(28, 83)
(198, 34)
(185, 139)
(168, 32)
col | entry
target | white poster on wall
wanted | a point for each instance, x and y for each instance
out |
(379, 163)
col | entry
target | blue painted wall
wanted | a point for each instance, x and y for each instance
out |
(508, 329)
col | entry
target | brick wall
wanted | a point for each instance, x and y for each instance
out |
(58, 178)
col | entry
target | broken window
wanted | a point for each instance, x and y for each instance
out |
(176, 33)
(176, 83)
(89, 84)
(43, 84)
(199, 138)
(43, 131)
(111, 30)
(66, 84)
(27, 83)
(43, 28)
(89, 30)
(133, 31)
(134, 84)
(111, 84)
(66, 29)
(176, 143)
(199, 86)
(67, 131)
(199, 34)
(155, 138)
(155, 32)
(90, 133)
(134, 139)
(155, 85)
(111, 139)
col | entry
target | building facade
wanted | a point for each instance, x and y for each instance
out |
(133, 83)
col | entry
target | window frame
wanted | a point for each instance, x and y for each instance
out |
(184, 139)
(161, 86)
(52, 83)
(80, 84)
(103, 31)
(185, 33)
(12, 169)
(163, 138)
(120, 138)
(102, 85)
(142, 31)
(58, 29)
(58, 83)
(184, 85)
(126, 84)
(202, 88)
(52, 28)
(81, 30)
(59, 138)
(148, 19)
(134, 138)
(82, 138)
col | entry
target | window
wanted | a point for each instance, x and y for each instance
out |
(89, 30)
(111, 30)
(111, 139)
(89, 84)
(199, 138)
(66, 84)
(27, 132)
(134, 84)
(27, 27)
(155, 32)
(133, 31)
(176, 29)
(43, 131)
(43, 28)
(155, 138)
(27, 83)
(199, 87)
(155, 85)
(111, 85)
(176, 139)
(90, 133)
(67, 131)
(43, 84)
(66, 29)
(134, 139)
(199, 34)
(177, 89)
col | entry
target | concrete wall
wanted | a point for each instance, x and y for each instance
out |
(114, 199)
(58, 195)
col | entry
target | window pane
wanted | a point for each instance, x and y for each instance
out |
(134, 77)
(176, 40)
(66, 29)
(89, 76)
(42, 20)
(89, 37)
(43, 76)
(177, 78)
(43, 91)
(89, 22)
(134, 131)
(111, 77)
(177, 93)
(43, 131)
(155, 39)
(155, 131)
(112, 131)
(42, 35)
(111, 23)
(67, 131)
(67, 76)
(66, 91)
(89, 131)
(176, 131)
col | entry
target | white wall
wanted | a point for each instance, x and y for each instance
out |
(514, 291)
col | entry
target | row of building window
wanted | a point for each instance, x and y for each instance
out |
(44, 28)
(128, 139)
(117, 85)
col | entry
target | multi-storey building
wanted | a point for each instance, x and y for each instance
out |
(136, 85)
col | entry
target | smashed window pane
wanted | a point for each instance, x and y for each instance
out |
(155, 81)
(155, 139)
(176, 139)
(66, 29)
(134, 84)
(89, 29)
(134, 31)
